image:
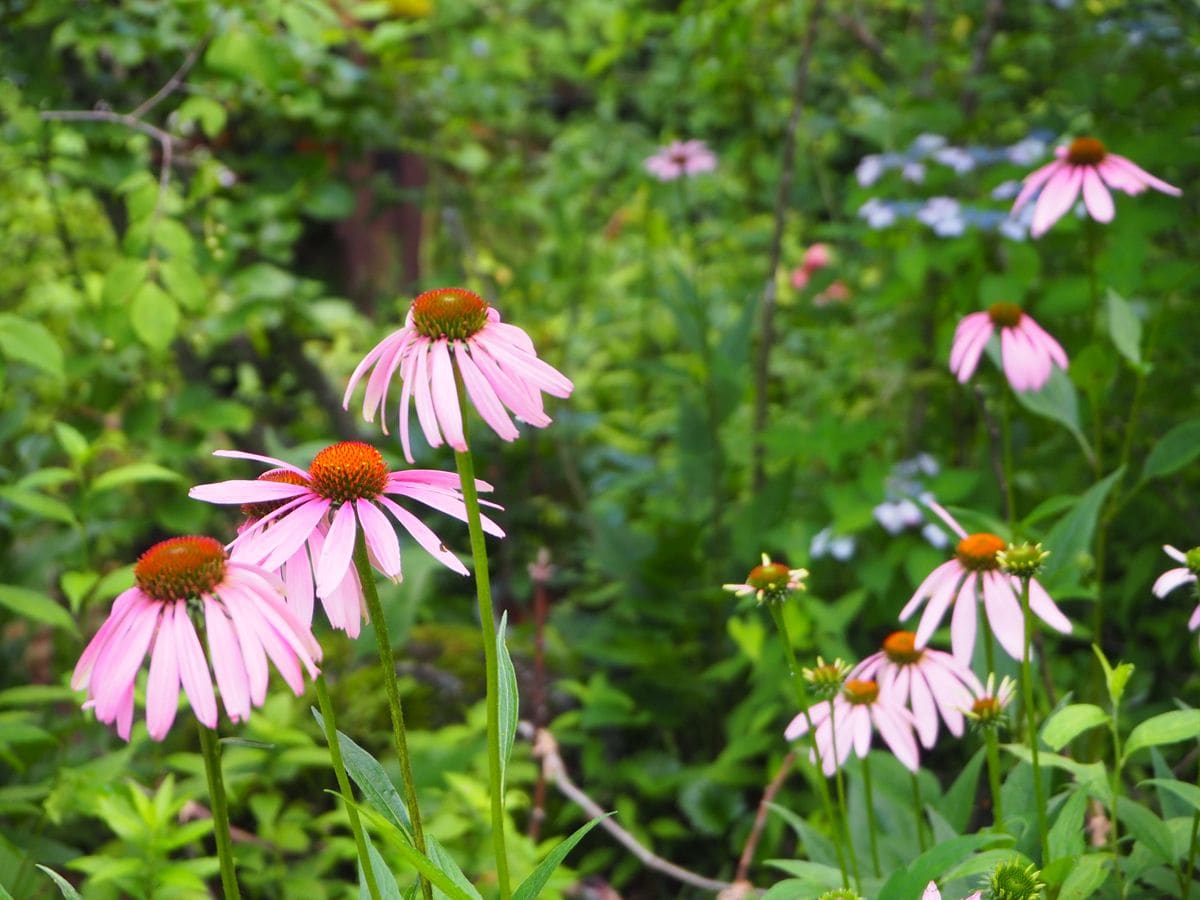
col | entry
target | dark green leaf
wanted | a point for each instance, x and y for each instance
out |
(1148, 828)
(1066, 834)
(1174, 450)
(366, 772)
(959, 801)
(1072, 534)
(63, 885)
(531, 887)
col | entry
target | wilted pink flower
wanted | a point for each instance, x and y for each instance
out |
(930, 682)
(932, 893)
(975, 571)
(816, 257)
(346, 487)
(1027, 353)
(245, 621)
(1083, 165)
(848, 721)
(449, 329)
(837, 292)
(681, 158)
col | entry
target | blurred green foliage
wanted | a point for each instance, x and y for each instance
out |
(206, 271)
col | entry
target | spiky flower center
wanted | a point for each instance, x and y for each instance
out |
(861, 693)
(266, 507)
(181, 568)
(901, 648)
(1192, 558)
(453, 313)
(349, 471)
(1012, 881)
(826, 677)
(1005, 315)
(1023, 560)
(977, 552)
(986, 709)
(771, 577)
(1086, 151)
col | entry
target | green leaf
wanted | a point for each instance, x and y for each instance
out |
(1085, 878)
(384, 879)
(1072, 534)
(1092, 777)
(531, 887)
(816, 878)
(959, 801)
(1070, 722)
(1167, 728)
(1188, 793)
(1066, 834)
(904, 884)
(69, 438)
(134, 473)
(1114, 679)
(1148, 828)
(412, 856)
(33, 694)
(123, 280)
(444, 861)
(208, 112)
(34, 605)
(39, 504)
(372, 780)
(1174, 450)
(154, 316)
(509, 699)
(30, 343)
(1125, 328)
(183, 282)
(63, 885)
(1058, 402)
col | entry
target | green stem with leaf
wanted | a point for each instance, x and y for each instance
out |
(211, 751)
(1031, 723)
(871, 826)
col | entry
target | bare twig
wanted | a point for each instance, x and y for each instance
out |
(858, 30)
(760, 818)
(546, 749)
(763, 364)
(172, 83)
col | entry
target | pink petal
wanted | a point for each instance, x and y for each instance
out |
(1044, 608)
(424, 399)
(193, 669)
(227, 662)
(1136, 171)
(408, 366)
(938, 604)
(1171, 579)
(860, 721)
(269, 460)
(524, 401)
(338, 549)
(253, 655)
(933, 583)
(1194, 621)
(298, 580)
(1004, 614)
(287, 535)
(483, 396)
(970, 339)
(1033, 181)
(924, 711)
(943, 514)
(445, 396)
(381, 538)
(1057, 197)
(125, 603)
(247, 491)
(1178, 555)
(962, 624)
(897, 735)
(248, 608)
(1096, 197)
(162, 687)
(423, 535)
(1043, 341)
(450, 504)
(361, 369)
(118, 663)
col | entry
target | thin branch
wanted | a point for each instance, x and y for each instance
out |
(546, 749)
(763, 363)
(858, 30)
(171, 84)
(760, 818)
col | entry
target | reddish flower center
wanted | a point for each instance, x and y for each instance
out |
(1086, 151)
(901, 648)
(977, 552)
(180, 568)
(1005, 315)
(986, 708)
(349, 471)
(861, 693)
(454, 313)
(770, 577)
(279, 476)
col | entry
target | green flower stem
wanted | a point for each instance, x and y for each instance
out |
(487, 624)
(1031, 724)
(387, 662)
(1114, 727)
(871, 827)
(918, 812)
(1010, 502)
(814, 774)
(220, 810)
(992, 744)
(339, 770)
(1191, 861)
(840, 781)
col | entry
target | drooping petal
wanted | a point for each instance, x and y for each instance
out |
(424, 398)
(924, 710)
(119, 660)
(860, 721)
(366, 363)
(193, 669)
(298, 581)
(1046, 610)
(445, 396)
(239, 492)
(933, 583)
(227, 661)
(337, 551)
(1004, 614)
(1096, 197)
(124, 604)
(380, 536)
(162, 687)
(253, 655)
(483, 397)
(423, 535)
(962, 624)
(1057, 197)
(269, 460)
(1136, 171)
(1033, 181)
(939, 603)
(1171, 579)
(969, 344)
(287, 535)
(1176, 554)
(897, 734)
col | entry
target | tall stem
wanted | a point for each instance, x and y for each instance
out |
(871, 828)
(919, 812)
(815, 775)
(220, 811)
(387, 662)
(992, 743)
(1116, 793)
(339, 771)
(1010, 503)
(839, 780)
(1031, 724)
(487, 624)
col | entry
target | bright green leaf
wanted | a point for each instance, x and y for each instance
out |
(1085, 878)
(33, 605)
(30, 343)
(154, 316)
(73, 443)
(1071, 721)
(1066, 834)
(1124, 327)
(1114, 679)
(531, 887)
(208, 112)
(39, 505)
(1167, 728)
(64, 886)
(133, 473)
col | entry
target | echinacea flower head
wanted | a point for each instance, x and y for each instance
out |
(1177, 577)
(825, 679)
(347, 487)
(849, 720)
(932, 893)
(1028, 353)
(680, 158)
(1085, 165)
(771, 582)
(1013, 881)
(987, 707)
(178, 583)
(931, 683)
(973, 573)
(1022, 560)
(451, 334)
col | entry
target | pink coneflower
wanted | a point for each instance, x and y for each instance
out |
(973, 572)
(930, 682)
(818, 256)
(770, 581)
(681, 158)
(988, 705)
(850, 717)
(449, 329)
(932, 893)
(1083, 165)
(346, 487)
(245, 621)
(1027, 353)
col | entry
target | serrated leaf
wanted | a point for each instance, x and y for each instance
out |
(154, 316)
(1174, 450)
(31, 343)
(531, 887)
(133, 473)
(1072, 534)
(509, 699)
(1124, 327)
(1070, 722)
(34, 605)
(1166, 728)
(64, 886)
